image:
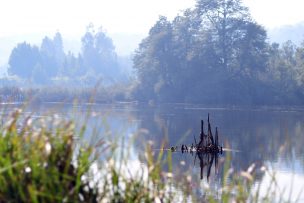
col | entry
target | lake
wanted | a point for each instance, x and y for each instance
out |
(268, 137)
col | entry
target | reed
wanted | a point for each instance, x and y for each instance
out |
(44, 162)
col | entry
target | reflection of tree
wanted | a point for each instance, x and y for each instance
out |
(206, 161)
(259, 135)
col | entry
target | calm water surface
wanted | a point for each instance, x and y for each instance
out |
(271, 137)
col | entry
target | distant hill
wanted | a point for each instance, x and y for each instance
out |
(295, 33)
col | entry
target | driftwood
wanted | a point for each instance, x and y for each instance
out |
(207, 149)
(207, 143)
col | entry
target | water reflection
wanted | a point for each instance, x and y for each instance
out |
(206, 161)
(263, 136)
(266, 137)
(259, 135)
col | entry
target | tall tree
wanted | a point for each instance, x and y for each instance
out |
(208, 54)
(153, 61)
(299, 57)
(59, 49)
(23, 59)
(90, 55)
(99, 54)
(52, 54)
(224, 18)
(251, 51)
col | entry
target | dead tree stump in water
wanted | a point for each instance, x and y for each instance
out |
(208, 143)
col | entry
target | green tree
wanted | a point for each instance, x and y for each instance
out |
(72, 66)
(89, 52)
(225, 19)
(39, 75)
(210, 54)
(99, 54)
(299, 69)
(52, 55)
(23, 59)
(286, 70)
(153, 61)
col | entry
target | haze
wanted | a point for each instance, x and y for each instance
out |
(127, 22)
(117, 16)
(132, 75)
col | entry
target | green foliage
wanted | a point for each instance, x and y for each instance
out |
(216, 54)
(97, 60)
(45, 162)
(48, 162)
(285, 72)
(36, 64)
(23, 59)
(52, 55)
(99, 52)
(41, 164)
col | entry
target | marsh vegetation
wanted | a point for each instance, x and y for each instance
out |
(104, 155)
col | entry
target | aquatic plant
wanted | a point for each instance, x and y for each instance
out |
(48, 161)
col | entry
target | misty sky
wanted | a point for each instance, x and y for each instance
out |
(70, 17)
(127, 22)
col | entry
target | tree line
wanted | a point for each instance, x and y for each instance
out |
(216, 53)
(48, 63)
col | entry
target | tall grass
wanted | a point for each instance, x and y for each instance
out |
(39, 163)
(44, 162)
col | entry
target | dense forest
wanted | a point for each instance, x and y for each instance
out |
(214, 53)
(217, 54)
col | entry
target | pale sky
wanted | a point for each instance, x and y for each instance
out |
(275, 13)
(70, 17)
(125, 21)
